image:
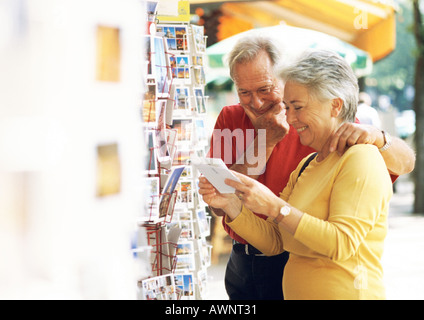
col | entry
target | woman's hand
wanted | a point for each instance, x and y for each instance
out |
(255, 196)
(228, 202)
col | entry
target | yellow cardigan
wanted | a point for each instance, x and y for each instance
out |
(336, 250)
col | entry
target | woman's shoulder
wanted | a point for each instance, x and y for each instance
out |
(365, 158)
(360, 150)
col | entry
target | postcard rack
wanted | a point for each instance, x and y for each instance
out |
(174, 218)
(163, 252)
(166, 209)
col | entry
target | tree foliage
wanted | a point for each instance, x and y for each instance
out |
(419, 108)
(394, 75)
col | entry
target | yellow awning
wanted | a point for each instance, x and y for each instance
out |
(367, 24)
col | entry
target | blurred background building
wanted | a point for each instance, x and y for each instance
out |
(65, 118)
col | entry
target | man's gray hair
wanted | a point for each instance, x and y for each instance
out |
(327, 76)
(247, 49)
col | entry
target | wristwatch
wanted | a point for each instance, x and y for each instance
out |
(284, 212)
(387, 141)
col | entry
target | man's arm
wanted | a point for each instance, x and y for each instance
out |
(399, 157)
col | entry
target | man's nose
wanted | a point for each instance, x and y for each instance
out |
(256, 101)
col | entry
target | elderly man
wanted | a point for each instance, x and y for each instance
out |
(239, 139)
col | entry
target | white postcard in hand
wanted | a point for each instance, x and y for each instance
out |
(216, 172)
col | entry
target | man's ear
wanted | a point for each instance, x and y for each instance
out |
(336, 107)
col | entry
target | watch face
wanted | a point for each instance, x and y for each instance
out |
(285, 210)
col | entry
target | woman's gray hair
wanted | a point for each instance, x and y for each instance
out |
(247, 49)
(327, 76)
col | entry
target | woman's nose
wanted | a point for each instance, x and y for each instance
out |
(290, 115)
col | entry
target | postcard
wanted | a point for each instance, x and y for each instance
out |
(187, 172)
(182, 214)
(172, 179)
(168, 7)
(172, 44)
(182, 99)
(186, 284)
(200, 100)
(170, 102)
(159, 288)
(152, 198)
(151, 9)
(171, 138)
(182, 61)
(182, 73)
(183, 11)
(180, 66)
(197, 60)
(187, 231)
(202, 282)
(203, 222)
(207, 252)
(185, 227)
(150, 153)
(185, 248)
(149, 104)
(215, 170)
(182, 44)
(168, 190)
(184, 129)
(172, 61)
(167, 207)
(175, 36)
(201, 133)
(199, 38)
(200, 153)
(182, 156)
(185, 193)
(185, 262)
(167, 31)
(163, 154)
(160, 64)
(199, 76)
(185, 255)
(147, 42)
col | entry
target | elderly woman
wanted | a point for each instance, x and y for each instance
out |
(332, 217)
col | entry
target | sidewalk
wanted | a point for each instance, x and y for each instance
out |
(403, 259)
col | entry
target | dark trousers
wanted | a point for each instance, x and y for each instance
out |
(251, 276)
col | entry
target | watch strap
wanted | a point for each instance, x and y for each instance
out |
(387, 141)
(284, 211)
(278, 219)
